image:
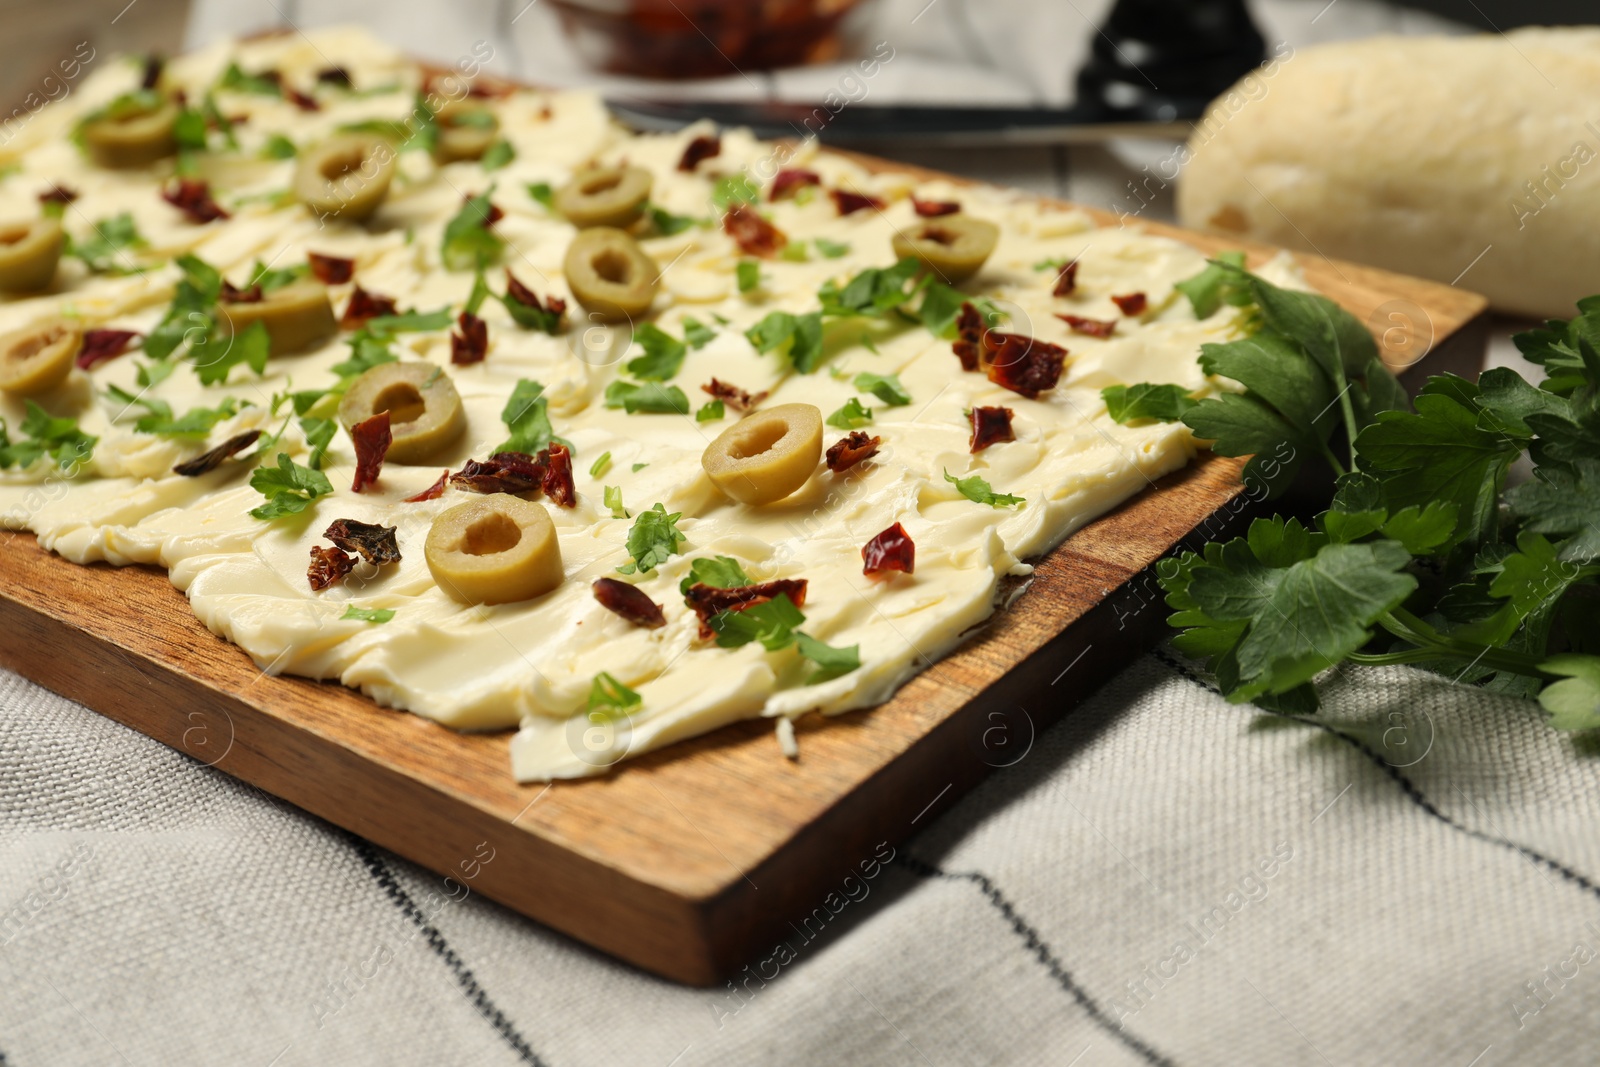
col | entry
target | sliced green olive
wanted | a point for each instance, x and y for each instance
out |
(494, 551)
(424, 408)
(604, 196)
(29, 252)
(952, 246)
(135, 135)
(296, 316)
(39, 357)
(465, 132)
(609, 274)
(345, 177)
(766, 456)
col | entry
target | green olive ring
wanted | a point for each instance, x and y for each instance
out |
(952, 246)
(465, 132)
(425, 413)
(135, 137)
(767, 455)
(346, 176)
(609, 274)
(494, 551)
(29, 253)
(297, 316)
(604, 196)
(39, 357)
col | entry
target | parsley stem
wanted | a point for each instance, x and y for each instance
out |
(1434, 645)
(1333, 460)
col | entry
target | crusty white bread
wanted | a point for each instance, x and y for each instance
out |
(1419, 154)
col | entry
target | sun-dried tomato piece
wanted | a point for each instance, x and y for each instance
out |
(328, 567)
(699, 150)
(1132, 304)
(301, 100)
(153, 66)
(990, 426)
(231, 294)
(890, 551)
(210, 461)
(849, 203)
(101, 345)
(503, 472)
(932, 209)
(192, 196)
(1089, 327)
(708, 601)
(970, 328)
(791, 180)
(850, 450)
(335, 76)
(557, 480)
(372, 439)
(433, 492)
(1066, 279)
(752, 233)
(630, 602)
(331, 270)
(1025, 365)
(365, 306)
(732, 395)
(373, 541)
(57, 194)
(471, 344)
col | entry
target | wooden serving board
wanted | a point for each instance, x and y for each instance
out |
(689, 861)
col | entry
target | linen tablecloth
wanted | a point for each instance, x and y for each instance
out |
(1164, 878)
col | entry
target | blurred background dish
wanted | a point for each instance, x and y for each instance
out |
(704, 38)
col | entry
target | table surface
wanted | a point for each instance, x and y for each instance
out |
(1162, 879)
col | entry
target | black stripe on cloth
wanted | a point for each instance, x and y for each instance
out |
(1041, 951)
(464, 977)
(1408, 787)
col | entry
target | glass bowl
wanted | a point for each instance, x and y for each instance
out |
(708, 38)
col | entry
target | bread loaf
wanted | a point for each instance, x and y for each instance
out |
(1473, 160)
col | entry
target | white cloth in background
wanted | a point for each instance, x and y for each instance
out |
(1231, 890)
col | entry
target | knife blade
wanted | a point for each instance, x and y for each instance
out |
(872, 123)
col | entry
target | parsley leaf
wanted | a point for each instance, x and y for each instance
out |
(734, 188)
(277, 146)
(719, 572)
(250, 348)
(831, 249)
(543, 193)
(1163, 403)
(58, 438)
(611, 699)
(1218, 284)
(374, 615)
(663, 354)
(710, 411)
(319, 435)
(191, 315)
(652, 540)
(468, 241)
(799, 337)
(876, 291)
(852, 416)
(977, 490)
(748, 272)
(498, 155)
(106, 243)
(666, 223)
(772, 622)
(886, 387)
(650, 398)
(697, 333)
(289, 488)
(831, 662)
(527, 416)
